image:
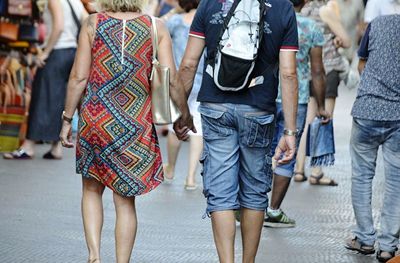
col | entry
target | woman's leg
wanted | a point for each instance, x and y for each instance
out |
(173, 146)
(92, 214)
(125, 227)
(196, 148)
(56, 149)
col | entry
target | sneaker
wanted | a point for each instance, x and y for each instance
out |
(279, 221)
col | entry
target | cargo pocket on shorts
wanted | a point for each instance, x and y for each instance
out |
(213, 123)
(204, 160)
(259, 130)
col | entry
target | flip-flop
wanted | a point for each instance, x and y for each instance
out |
(190, 187)
(318, 180)
(166, 179)
(19, 154)
(50, 156)
(302, 179)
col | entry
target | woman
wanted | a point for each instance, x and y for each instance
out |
(117, 143)
(50, 83)
(178, 26)
(327, 15)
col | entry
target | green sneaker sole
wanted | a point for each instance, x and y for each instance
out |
(278, 225)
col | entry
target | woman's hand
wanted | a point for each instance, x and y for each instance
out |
(66, 135)
(41, 59)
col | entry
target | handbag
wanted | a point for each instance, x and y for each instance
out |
(20, 7)
(9, 31)
(163, 108)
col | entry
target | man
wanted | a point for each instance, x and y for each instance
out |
(376, 122)
(238, 126)
(311, 42)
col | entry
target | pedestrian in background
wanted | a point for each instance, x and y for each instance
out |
(309, 66)
(376, 123)
(117, 145)
(178, 26)
(50, 83)
(238, 126)
(327, 16)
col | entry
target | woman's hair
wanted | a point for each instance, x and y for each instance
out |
(121, 5)
(188, 5)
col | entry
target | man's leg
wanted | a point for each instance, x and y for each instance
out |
(224, 230)
(364, 144)
(251, 226)
(220, 174)
(390, 217)
(256, 129)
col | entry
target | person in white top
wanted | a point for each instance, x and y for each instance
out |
(62, 19)
(377, 8)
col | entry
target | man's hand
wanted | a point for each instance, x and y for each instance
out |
(41, 59)
(323, 115)
(286, 149)
(182, 127)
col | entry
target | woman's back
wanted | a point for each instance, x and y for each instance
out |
(116, 131)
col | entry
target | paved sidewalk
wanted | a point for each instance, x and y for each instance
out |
(40, 214)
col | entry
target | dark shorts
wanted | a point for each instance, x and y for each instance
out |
(332, 84)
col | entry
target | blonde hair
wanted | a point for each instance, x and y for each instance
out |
(121, 5)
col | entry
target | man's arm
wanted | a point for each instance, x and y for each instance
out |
(318, 81)
(289, 86)
(361, 65)
(182, 86)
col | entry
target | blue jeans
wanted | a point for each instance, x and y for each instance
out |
(287, 170)
(236, 166)
(366, 137)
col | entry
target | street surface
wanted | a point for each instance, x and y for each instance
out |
(40, 218)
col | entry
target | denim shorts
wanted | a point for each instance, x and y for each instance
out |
(236, 162)
(288, 169)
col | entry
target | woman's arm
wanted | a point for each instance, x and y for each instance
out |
(329, 15)
(79, 76)
(57, 20)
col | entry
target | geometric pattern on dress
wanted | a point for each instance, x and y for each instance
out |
(117, 141)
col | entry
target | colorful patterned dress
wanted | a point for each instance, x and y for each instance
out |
(117, 141)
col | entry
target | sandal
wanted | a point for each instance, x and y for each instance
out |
(50, 156)
(384, 256)
(318, 180)
(355, 245)
(189, 187)
(19, 154)
(167, 180)
(301, 178)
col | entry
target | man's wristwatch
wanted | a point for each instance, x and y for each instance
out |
(65, 118)
(290, 132)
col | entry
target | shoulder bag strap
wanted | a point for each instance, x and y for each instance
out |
(154, 39)
(75, 17)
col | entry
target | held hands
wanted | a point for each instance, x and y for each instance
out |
(286, 149)
(182, 127)
(66, 135)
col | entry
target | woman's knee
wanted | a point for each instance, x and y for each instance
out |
(92, 185)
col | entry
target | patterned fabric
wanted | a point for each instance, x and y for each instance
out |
(310, 36)
(378, 97)
(117, 142)
(331, 56)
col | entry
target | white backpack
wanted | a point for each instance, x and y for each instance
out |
(232, 63)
